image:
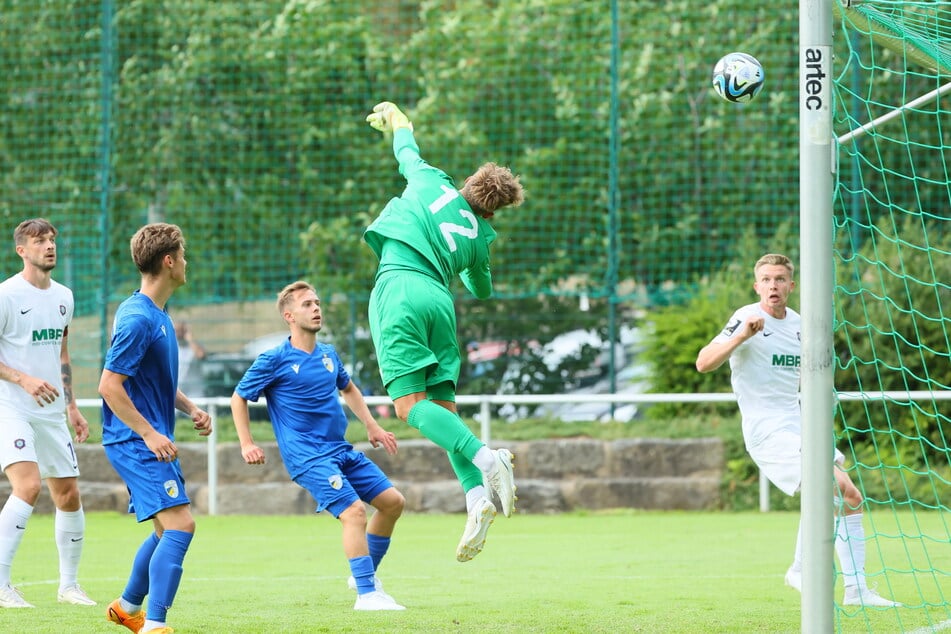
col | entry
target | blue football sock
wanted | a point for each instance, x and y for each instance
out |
(378, 546)
(138, 584)
(165, 572)
(362, 570)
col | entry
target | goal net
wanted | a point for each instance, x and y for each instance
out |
(892, 300)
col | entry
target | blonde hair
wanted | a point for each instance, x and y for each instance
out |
(287, 294)
(774, 259)
(491, 188)
(152, 243)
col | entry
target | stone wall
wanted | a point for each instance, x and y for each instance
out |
(552, 476)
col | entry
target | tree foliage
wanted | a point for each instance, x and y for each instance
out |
(244, 123)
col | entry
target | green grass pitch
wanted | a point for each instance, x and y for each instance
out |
(623, 571)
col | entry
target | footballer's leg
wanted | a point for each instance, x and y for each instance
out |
(480, 512)
(850, 545)
(70, 530)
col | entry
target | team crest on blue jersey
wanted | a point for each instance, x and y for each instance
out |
(328, 363)
(19, 443)
(336, 482)
(171, 488)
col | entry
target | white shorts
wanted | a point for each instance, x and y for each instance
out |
(46, 442)
(779, 457)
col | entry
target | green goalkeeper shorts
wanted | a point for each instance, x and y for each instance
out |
(413, 324)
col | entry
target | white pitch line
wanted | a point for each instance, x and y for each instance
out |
(943, 625)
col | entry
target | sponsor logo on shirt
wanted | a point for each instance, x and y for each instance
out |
(47, 335)
(296, 368)
(786, 360)
(23, 312)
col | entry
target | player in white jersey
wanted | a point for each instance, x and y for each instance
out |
(36, 399)
(762, 343)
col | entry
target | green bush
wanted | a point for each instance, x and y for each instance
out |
(679, 331)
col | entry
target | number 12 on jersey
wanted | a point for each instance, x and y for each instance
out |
(450, 229)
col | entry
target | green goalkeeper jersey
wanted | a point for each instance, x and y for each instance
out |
(434, 220)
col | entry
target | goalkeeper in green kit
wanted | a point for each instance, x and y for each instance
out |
(423, 239)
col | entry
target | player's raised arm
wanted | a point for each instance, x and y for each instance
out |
(715, 353)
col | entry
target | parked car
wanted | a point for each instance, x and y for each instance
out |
(577, 360)
(632, 379)
(221, 371)
(571, 360)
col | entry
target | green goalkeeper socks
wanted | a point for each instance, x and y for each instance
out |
(444, 428)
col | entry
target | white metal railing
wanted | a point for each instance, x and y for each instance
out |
(486, 401)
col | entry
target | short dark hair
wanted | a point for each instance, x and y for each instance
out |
(33, 228)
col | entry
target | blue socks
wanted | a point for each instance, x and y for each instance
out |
(165, 572)
(138, 585)
(157, 571)
(378, 547)
(362, 570)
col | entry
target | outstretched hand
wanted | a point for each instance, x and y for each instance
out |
(386, 117)
(380, 437)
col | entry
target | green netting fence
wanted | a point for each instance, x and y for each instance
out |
(244, 123)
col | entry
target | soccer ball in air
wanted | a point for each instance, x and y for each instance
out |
(738, 77)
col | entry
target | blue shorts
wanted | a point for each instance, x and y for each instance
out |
(337, 482)
(153, 485)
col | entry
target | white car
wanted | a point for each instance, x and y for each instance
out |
(633, 379)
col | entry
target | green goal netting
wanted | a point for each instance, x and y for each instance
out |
(893, 299)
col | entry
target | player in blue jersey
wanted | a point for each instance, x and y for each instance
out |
(301, 380)
(36, 400)
(425, 238)
(139, 388)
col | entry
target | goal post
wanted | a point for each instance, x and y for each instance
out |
(815, 218)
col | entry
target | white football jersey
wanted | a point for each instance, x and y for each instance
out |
(32, 324)
(765, 372)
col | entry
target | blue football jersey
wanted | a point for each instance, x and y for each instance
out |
(143, 348)
(303, 402)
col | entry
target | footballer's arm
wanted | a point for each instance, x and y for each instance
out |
(714, 354)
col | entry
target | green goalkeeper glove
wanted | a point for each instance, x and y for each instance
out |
(386, 117)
